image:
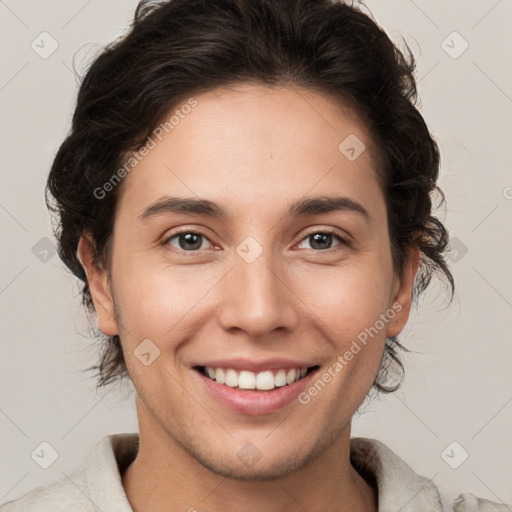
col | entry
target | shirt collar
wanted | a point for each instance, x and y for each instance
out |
(399, 487)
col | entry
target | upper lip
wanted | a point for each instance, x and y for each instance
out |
(256, 366)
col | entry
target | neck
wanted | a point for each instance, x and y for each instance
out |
(164, 476)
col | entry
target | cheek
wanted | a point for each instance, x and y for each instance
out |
(153, 299)
(349, 298)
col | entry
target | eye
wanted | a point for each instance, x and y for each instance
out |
(192, 241)
(322, 240)
(189, 241)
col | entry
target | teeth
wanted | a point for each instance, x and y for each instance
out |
(280, 378)
(264, 381)
(219, 375)
(231, 378)
(246, 380)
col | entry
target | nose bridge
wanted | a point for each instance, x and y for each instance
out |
(256, 298)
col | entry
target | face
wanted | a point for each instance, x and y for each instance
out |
(279, 281)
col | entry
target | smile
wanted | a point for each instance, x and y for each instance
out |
(254, 393)
(262, 381)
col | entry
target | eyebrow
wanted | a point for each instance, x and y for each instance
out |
(306, 206)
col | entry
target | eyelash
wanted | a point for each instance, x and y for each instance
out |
(343, 240)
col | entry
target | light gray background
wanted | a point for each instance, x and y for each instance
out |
(458, 380)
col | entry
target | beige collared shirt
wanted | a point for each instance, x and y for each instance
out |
(97, 487)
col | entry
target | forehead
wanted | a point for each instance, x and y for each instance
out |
(253, 143)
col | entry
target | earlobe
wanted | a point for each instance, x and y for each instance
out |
(99, 287)
(402, 299)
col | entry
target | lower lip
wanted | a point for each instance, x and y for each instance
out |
(255, 402)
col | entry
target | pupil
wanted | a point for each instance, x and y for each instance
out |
(324, 239)
(188, 238)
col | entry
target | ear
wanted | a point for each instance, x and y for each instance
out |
(402, 293)
(99, 287)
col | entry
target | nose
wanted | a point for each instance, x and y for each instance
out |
(257, 298)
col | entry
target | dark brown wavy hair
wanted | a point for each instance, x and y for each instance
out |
(178, 48)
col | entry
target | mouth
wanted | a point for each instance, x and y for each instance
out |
(254, 393)
(256, 382)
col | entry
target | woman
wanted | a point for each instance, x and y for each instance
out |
(246, 196)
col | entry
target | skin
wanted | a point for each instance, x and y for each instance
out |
(253, 150)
